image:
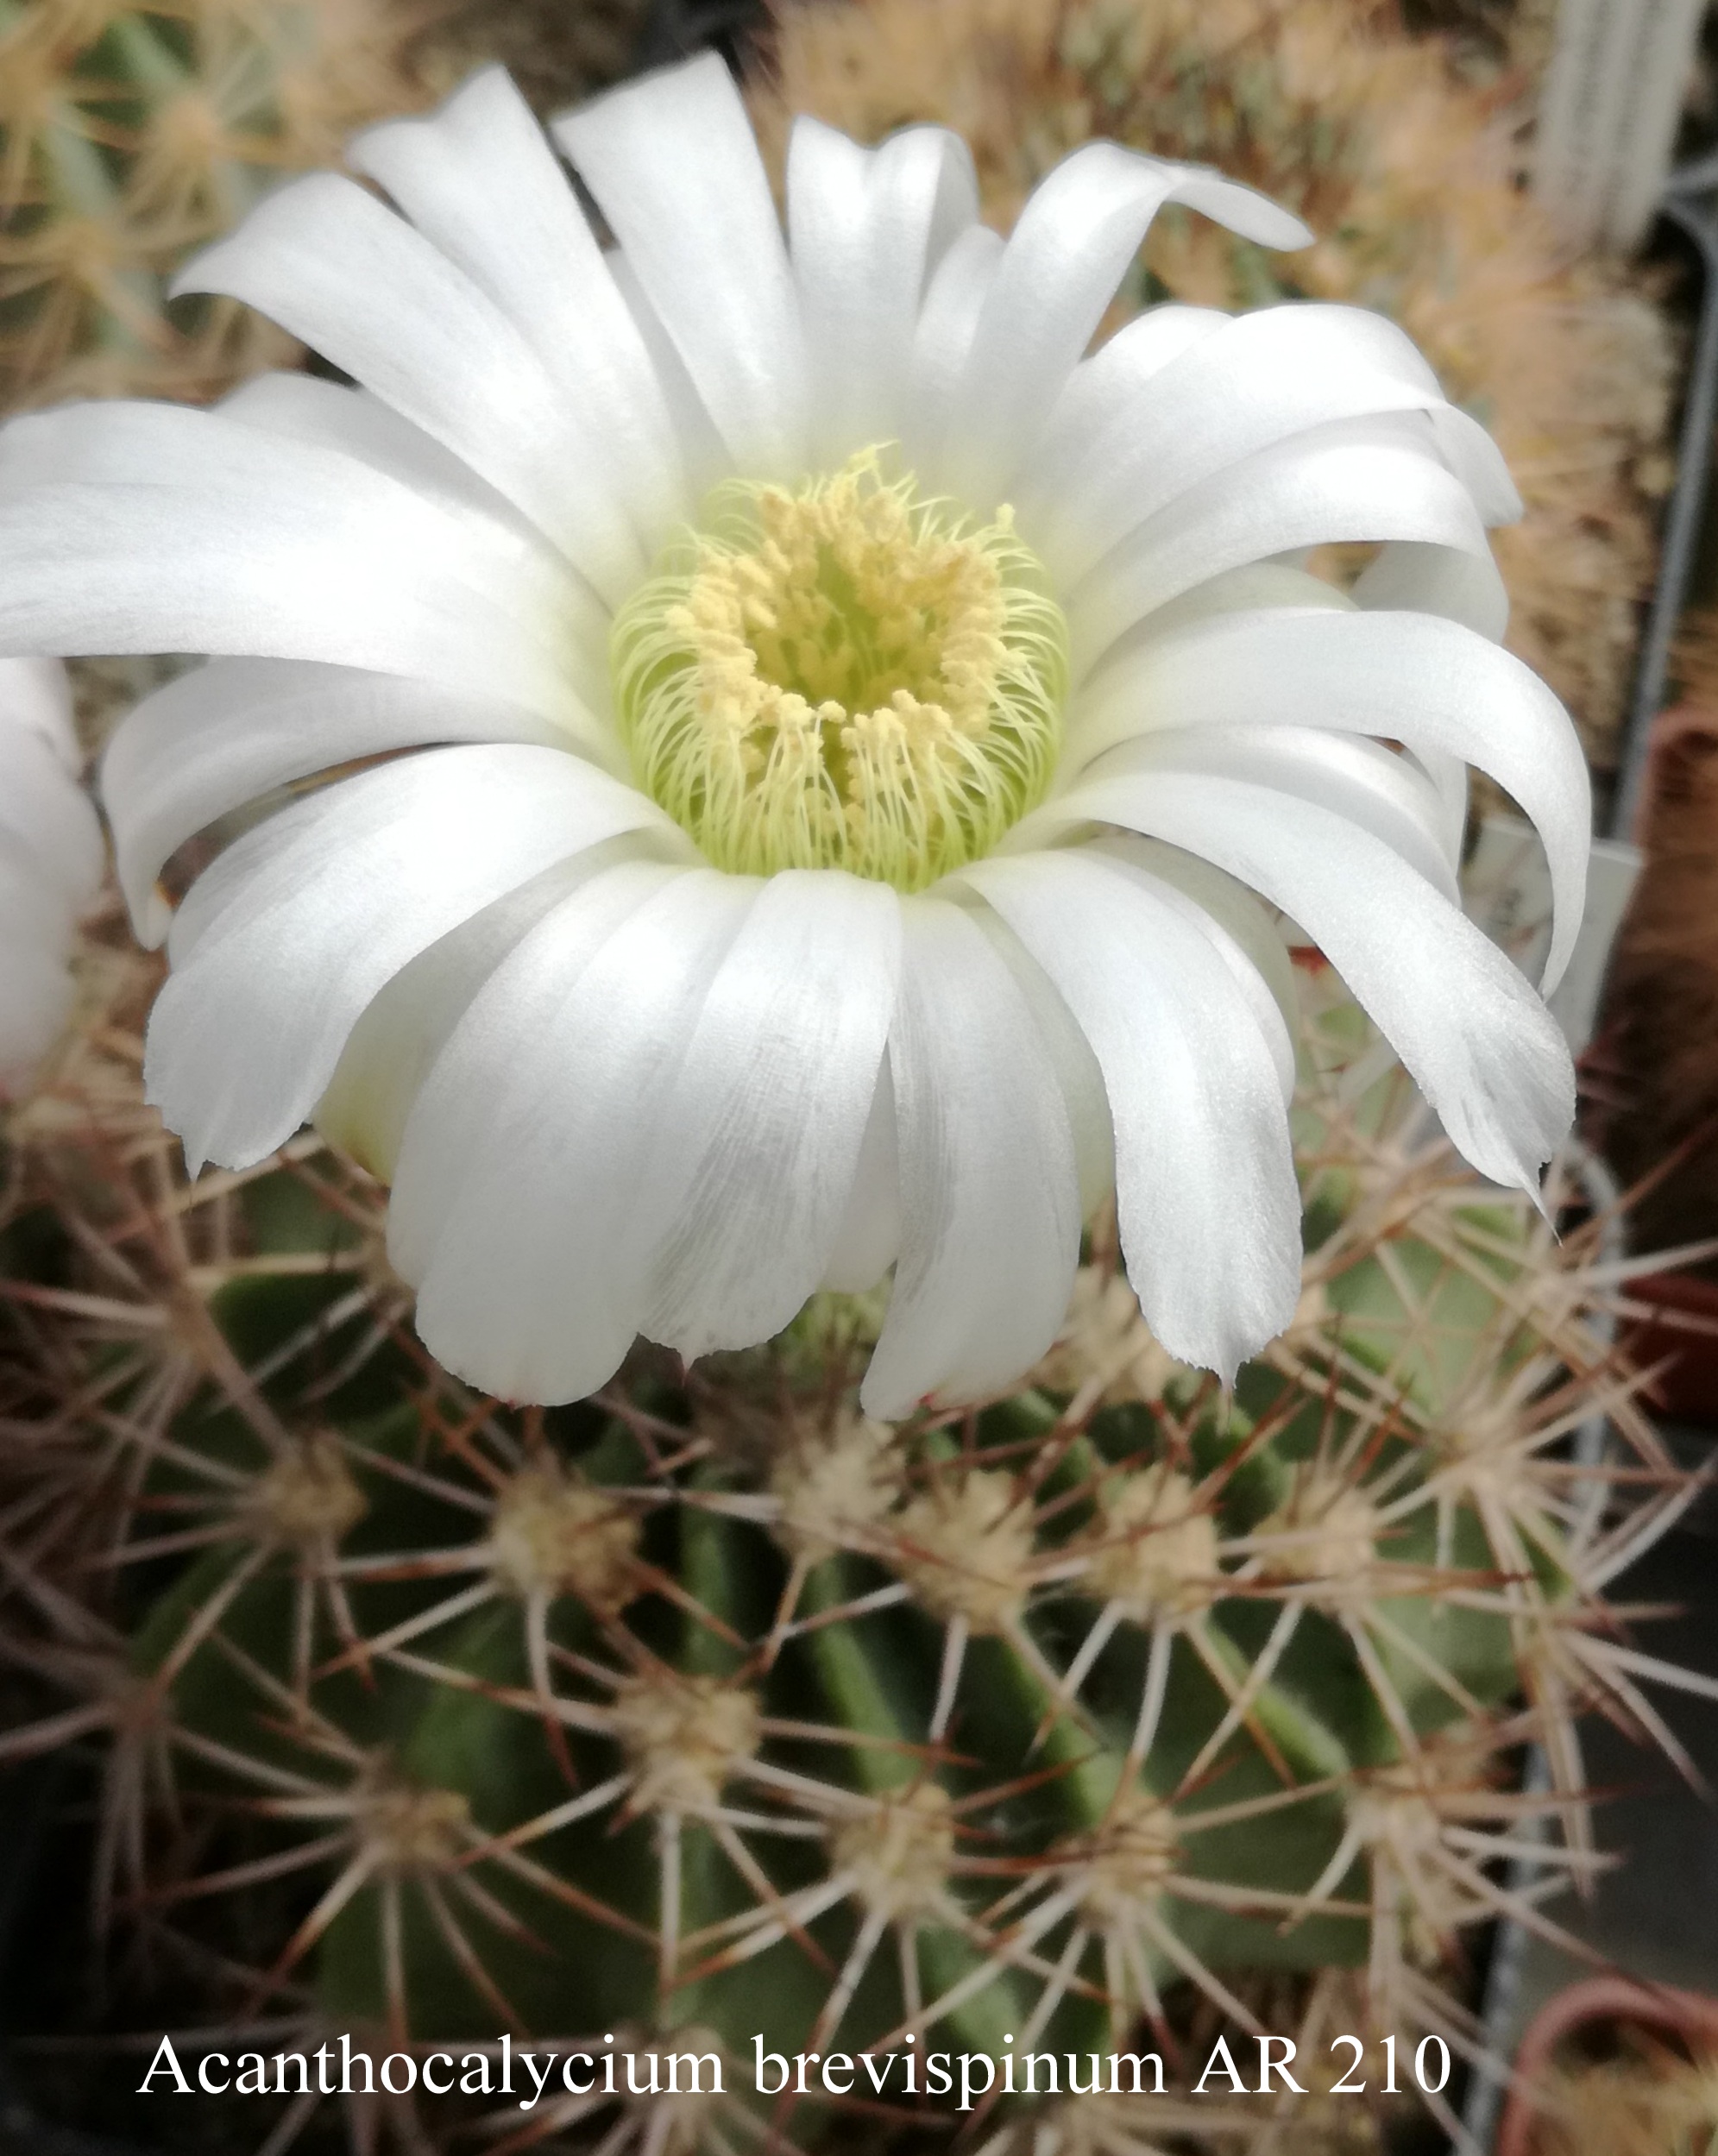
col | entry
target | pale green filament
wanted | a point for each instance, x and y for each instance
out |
(843, 675)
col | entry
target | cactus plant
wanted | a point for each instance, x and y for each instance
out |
(987, 1760)
(1096, 1719)
(130, 134)
(1406, 170)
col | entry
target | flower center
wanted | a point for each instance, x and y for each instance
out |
(843, 675)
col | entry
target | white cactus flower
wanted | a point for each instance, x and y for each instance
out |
(51, 860)
(843, 721)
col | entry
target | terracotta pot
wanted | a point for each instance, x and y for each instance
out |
(1688, 2016)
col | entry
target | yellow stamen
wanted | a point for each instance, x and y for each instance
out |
(845, 676)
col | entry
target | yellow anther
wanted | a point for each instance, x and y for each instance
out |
(843, 675)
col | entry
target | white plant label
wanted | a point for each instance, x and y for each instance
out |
(1609, 108)
(1507, 892)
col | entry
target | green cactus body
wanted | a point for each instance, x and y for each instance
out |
(708, 1710)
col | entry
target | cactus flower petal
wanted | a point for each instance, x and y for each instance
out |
(1192, 1047)
(1484, 1050)
(675, 171)
(832, 732)
(990, 1199)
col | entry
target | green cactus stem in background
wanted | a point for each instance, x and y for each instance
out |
(130, 136)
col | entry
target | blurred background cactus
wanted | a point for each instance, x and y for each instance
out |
(130, 136)
(1095, 1718)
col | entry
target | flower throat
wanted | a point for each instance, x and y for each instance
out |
(843, 675)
